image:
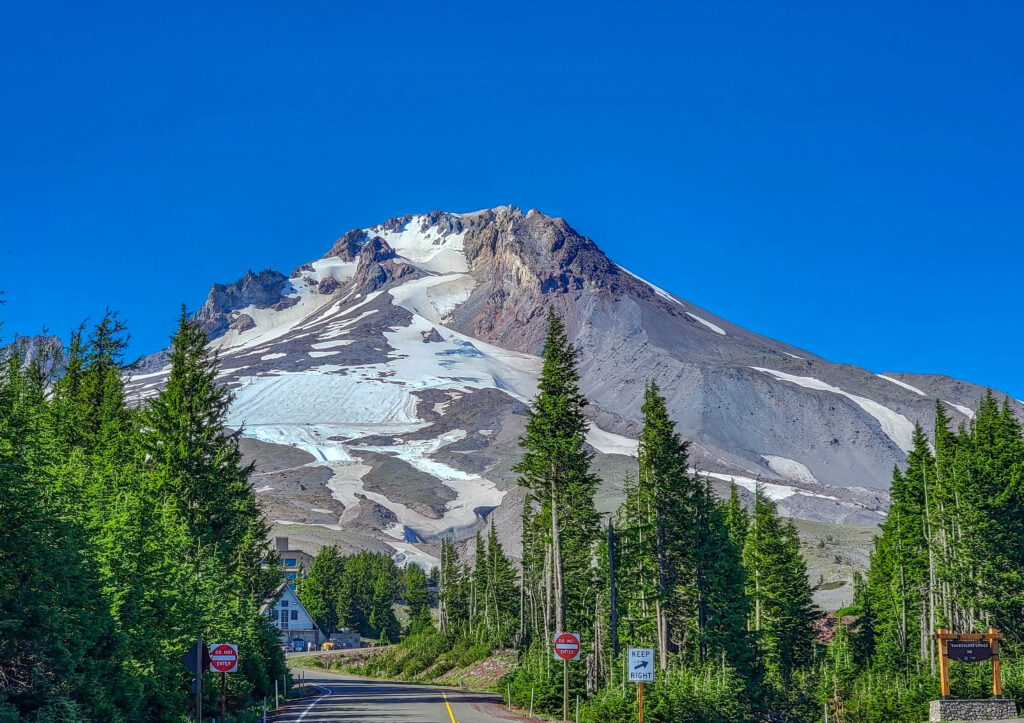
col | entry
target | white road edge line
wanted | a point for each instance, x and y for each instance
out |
(314, 702)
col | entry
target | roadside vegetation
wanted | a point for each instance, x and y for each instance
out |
(125, 533)
(720, 588)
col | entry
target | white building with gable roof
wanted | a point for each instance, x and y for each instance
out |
(296, 626)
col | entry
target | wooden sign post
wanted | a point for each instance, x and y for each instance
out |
(641, 670)
(969, 648)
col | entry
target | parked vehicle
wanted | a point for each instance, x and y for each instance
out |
(329, 645)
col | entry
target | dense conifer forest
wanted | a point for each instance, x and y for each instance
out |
(125, 532)
(719, 589)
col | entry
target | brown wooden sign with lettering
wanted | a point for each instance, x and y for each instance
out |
(968, 651)
(969, 648)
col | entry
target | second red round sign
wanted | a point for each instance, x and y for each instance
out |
(567, 646)
(223, 658)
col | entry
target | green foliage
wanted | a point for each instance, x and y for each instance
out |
(949, 555)
(707, 693)
(555, 470)
(782, 608)
(417, 599)
(60, 647)
(125, 533)
(365, 593)
(424, 656)
(317, 589)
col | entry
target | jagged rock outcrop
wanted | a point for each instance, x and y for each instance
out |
(378, 266)
(347, 247)
(418, 340)
(262, 290)
(47, 349)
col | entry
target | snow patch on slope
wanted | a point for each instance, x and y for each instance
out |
(966, 411)
(657, 290)
(774, 492)
(789, 468)
(609, 443)
(895, 425)
(434, 297)
(897, 382)
(427, 247)
(407, 554)
(714, 327)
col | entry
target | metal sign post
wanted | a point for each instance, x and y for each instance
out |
(567, 647)
(223, 659)
(640, 669)
(196, 659)
(200, 668)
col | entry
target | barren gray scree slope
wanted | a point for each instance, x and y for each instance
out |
(382, 387)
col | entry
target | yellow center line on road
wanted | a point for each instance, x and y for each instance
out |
(450, 714)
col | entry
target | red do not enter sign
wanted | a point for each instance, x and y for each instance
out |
(567, 646)
(223, 658)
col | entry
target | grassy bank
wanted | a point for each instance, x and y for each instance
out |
(426, 658)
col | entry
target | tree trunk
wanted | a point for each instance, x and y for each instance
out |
(614, 604)
(556, 564)
(663, 633)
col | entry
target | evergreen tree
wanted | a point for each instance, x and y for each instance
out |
(60, 649)
(660, 532)
(318, 589)
(502, 594)
(555, 469)
(198, 474)
(417, 600)
(899, 576)
(783, 610)
(382, 618)
(453, 607)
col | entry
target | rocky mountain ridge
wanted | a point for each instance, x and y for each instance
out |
(393, 374)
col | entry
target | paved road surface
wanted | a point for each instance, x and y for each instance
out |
(347, 699)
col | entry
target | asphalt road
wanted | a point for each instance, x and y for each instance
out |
(347, 699)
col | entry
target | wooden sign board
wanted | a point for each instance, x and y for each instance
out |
(968, 651)
(969, 648)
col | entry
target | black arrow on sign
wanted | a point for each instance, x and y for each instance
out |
(641, 665)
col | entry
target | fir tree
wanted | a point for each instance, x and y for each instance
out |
(417, 600)
(317, 589)
(783, 610)
(199, 477)
(555, 469)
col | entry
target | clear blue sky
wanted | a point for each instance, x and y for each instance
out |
(846, 177)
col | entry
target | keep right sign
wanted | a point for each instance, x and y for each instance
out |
(640, 662)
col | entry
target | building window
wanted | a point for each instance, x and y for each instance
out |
(284, 603)
(295, 614)
(290, 575)
(284, 616)
(289, 562)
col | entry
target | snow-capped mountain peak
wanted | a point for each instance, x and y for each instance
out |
(382, 388)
